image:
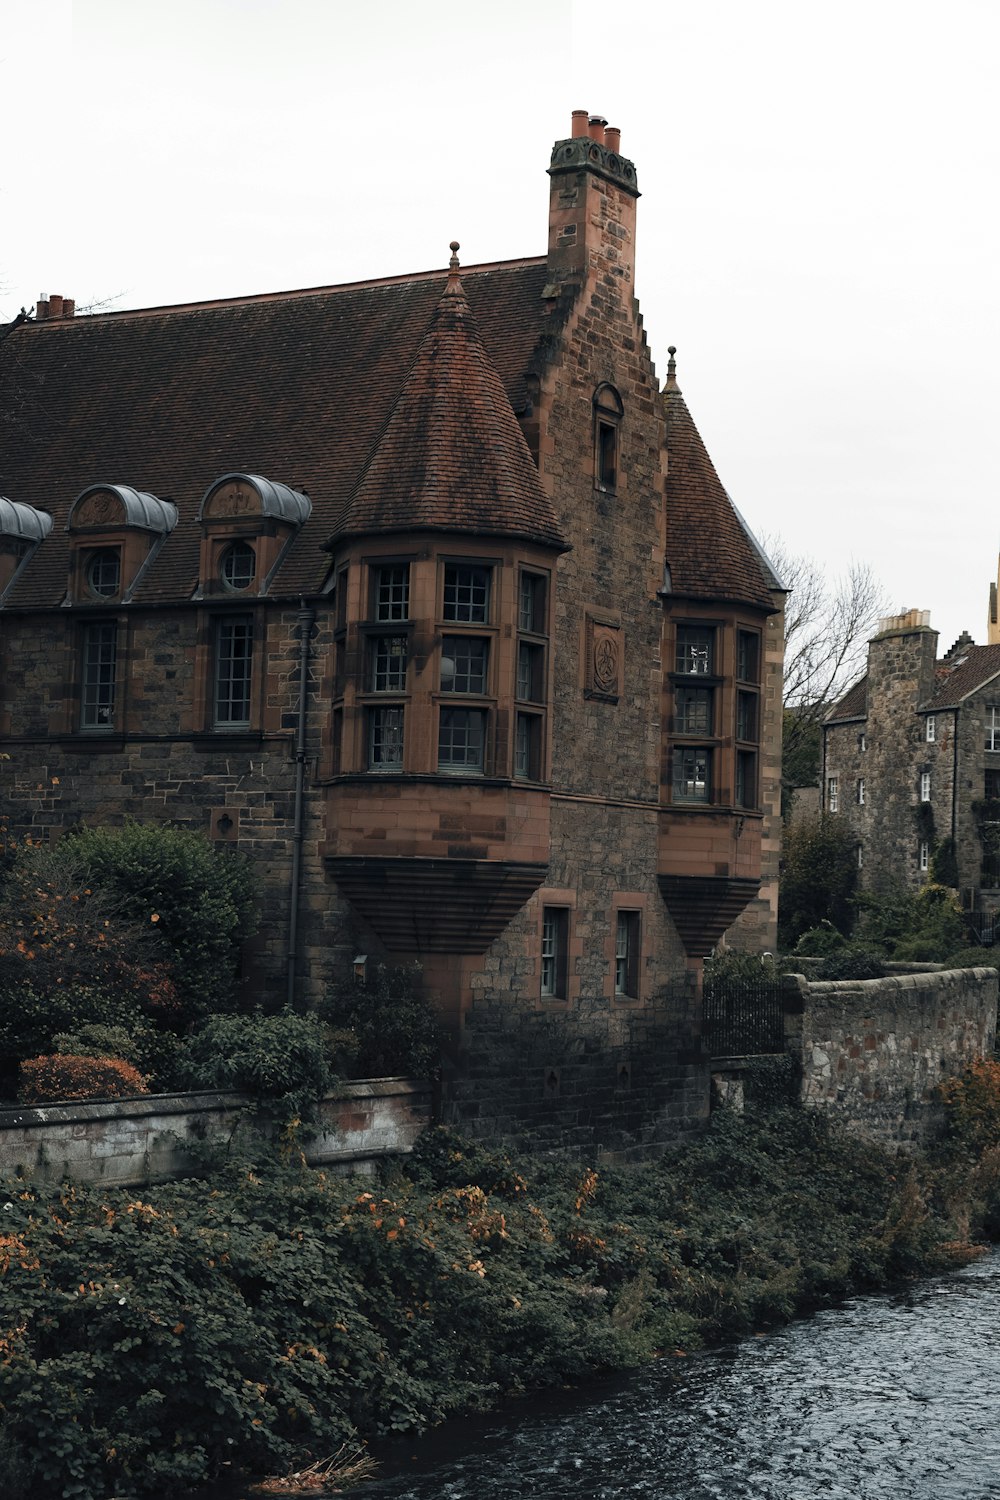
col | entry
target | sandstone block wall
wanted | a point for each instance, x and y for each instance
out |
(127, 1142)
(873, 1051)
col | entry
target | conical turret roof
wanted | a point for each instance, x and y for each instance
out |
(452, 456)
(710, 553)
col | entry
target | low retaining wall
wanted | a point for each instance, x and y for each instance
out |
(873, 1051)
(156, 1137)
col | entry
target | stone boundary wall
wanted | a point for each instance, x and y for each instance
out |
(873, 1051)
(126, 1142)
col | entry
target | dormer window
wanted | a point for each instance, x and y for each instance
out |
(104, 572)
(239, 567)
(608, 412)
(22, 531)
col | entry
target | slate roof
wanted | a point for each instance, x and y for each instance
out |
(452, 456)
(853, 705)
(974, 668)
(977, 666)
(294, 386)
(710, 553)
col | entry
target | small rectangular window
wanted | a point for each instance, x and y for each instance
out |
(931, 730)
(746, 778)
(391, 592)
(555, 952)
(859, 851)
(627, 938)
(233, 671)
(746, 716)
(385, 738)
(862, 742)
(607, 455)
(693, 711)
(925, 854)
(530, 672)
(466, 593)
(991, 784)
(531, 604)
(993, 728)
(694, 650)
(100, 664)
(832, 793)
(461, 739)
(747, 656)
(861, 791)
(925, 786)
(692, 767)
(528, 747)
(388, 654)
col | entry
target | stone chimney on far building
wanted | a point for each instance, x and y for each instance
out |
(591, 206)
(901, 659)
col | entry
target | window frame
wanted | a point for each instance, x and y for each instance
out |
(833, 794)
(992, 736)
(680, 755)
(473, 713)
(609, 409)
(926, 786)
(627, 953)
(861, 791)
(930, 729)
(238, 547)
(553, 965)
(377, 714)
(220, 624)
(97, 674)
(94, 560)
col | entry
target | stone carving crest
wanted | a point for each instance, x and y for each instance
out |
(604, 660)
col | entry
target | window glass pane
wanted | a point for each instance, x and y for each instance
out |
(392, 592)
(528, 746)
(239, 566)
(104, 573)
(388, 663)
(463, 664)
(627, 954)
(555, 928)
(530, 671)
(385, 739)
(693, 710)
(461, 735)
(233, 665)
(746, 716)
(691, 774)
(746, 778)
(466, 593)
(747, 656)
(531, 604)
(694, 649)
(97, 707)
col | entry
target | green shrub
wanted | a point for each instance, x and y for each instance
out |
(395, 1024)
(817, 942)
(923, 926)
(729, 963)
(818, 879)
(199, 900)
(281, 1060)
(45, 1080)
(974, 958)
(850, 963)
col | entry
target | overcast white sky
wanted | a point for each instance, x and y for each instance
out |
(819, 231)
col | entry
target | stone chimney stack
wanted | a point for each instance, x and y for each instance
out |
(591, 206)
(54, 306)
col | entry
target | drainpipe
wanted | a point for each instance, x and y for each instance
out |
(305, 618)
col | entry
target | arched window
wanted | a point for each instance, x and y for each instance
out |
(608, 412)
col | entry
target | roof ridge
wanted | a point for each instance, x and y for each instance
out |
(249, 299)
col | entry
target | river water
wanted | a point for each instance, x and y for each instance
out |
(882, 1398)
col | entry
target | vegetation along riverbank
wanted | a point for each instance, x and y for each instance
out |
(252, 1322)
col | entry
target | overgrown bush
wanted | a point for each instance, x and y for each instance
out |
(200, 900)
(974, 958)
(156, 1054)
(918, 927)
(850, 963)
(818, 879)
(160, 1341)
(394, 1023)
(45, 1080)
(281, 1060)
(817, 942)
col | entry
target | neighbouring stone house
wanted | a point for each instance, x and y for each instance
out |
(911, 760)
(424, 594)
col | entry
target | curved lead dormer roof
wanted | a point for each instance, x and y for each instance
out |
(252, 495)
(112, 505)
(23, 523)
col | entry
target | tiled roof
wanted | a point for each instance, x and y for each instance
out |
(452, 456)
(708, 550)
(853, 705)
(295, 386)
(976, 667)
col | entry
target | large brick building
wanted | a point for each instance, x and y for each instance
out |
(423, 593)
(911, 761)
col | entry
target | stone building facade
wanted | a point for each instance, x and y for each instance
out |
(424, 594)
(911, 761)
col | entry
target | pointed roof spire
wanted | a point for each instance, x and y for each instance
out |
(698, 506)
(452, 456)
